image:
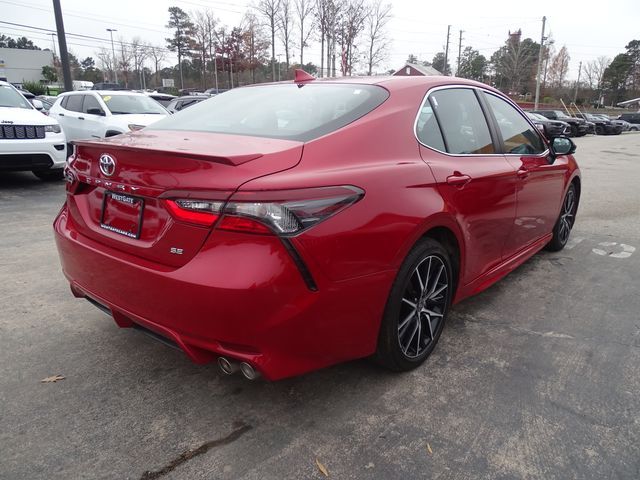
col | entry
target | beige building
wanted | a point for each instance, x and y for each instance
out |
(18, 65)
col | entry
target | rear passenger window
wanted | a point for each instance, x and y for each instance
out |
(463, 124)
(428, 130)
(518, 136)
(74, 103)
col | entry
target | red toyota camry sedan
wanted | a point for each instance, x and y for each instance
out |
(286, 227)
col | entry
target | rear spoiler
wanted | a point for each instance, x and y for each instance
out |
(231, 160)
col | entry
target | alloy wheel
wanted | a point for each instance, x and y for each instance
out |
(567, 216)
(424, 304)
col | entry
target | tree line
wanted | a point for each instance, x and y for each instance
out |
(353, 38)
(513, 68)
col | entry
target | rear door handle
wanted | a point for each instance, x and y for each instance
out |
(523, 173)
(61, 114)
(80, 118)
(458, 179)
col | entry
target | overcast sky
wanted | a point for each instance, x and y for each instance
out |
(588, 29)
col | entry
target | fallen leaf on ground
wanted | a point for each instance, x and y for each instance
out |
(322, 468)
(52, 379)
(429, 449)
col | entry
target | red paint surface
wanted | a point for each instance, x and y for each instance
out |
(241, 294)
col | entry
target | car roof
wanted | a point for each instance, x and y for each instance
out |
(394, 83)
(104, 92)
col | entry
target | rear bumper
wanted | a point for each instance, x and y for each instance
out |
(242, 299)
(41, 154)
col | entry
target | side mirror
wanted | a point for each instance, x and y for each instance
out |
(562, 146)
(37, 104)
(95, 111)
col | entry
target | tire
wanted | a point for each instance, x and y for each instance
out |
(574, 131)
(565, 222)
(49, 175)
(405, 340)
(599, 130)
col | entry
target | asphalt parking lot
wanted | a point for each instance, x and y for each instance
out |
(536, 378)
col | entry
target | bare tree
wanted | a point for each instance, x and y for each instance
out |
(106, 60)
(139, 54)
(333, 11)
(321, 15)
(124, 62)
(352, 22)
(269, 10)
(304, 13)
(594, 71)
(203, 33)
(285, 27)
(376, 22)
(559, 67)
(157, 56)
(254, 42)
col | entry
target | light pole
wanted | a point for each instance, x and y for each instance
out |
(113, 51)
(279, 63)
(53, 40)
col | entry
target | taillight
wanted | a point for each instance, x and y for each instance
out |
(286, 212)
(199, 212)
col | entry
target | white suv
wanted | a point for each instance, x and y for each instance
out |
(104, 113)
(29, 140)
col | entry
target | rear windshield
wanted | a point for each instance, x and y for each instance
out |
(132, 104)
(292, 112)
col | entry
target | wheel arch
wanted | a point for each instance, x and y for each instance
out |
(445, 230)
(448, 239)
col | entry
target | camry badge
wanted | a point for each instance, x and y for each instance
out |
(107, 165)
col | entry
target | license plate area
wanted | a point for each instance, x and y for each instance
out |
(122, 214)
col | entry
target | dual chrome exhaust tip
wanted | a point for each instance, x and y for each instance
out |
(229, 367)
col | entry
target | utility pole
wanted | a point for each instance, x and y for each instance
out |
(53, 40)
(215, 65)
(575, 95)
(113, 51)
(446, 51)
(537, 99)
(279, 63)
(64, 55)
(459, 53)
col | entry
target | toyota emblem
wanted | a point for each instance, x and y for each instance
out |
(107, 165)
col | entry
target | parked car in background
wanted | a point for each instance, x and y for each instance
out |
(579, 127)
(624, 124)
(82, 85)
(163, 99)
(551, 128)
(29, 141)
(106, 86)
(180, 103)
(47, 103)
(287, 227)
(633, 119)
(604, 126)
(99, 114)
(215, 91)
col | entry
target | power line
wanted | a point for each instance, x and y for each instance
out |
(88, 37)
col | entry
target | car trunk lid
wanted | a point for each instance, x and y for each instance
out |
(127, 210)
